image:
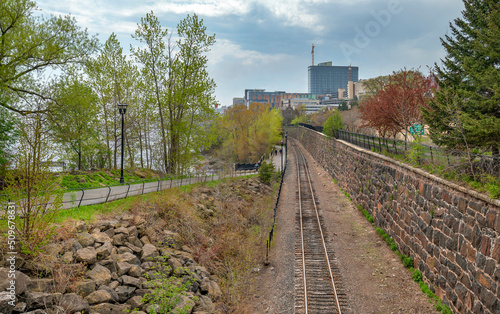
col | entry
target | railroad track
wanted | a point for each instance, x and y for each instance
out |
(318, 287)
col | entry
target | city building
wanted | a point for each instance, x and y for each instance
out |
(238, 101)
(325, 78)
(274, 99)
(359, 89)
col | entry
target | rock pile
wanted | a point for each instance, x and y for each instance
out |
(112, 260)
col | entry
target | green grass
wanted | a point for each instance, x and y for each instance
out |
(101, 178)
(89, 212)
(366, 214)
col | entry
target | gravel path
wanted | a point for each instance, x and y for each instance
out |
(373, 276)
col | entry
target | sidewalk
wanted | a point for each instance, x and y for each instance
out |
(106, 194)
(277, 158)
(83, 197)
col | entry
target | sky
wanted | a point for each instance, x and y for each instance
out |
(266, 44)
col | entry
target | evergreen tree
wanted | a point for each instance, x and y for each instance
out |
(344, 106)
(466, 112)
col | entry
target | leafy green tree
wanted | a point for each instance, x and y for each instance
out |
(465, 113)
(111, 75)
(245, 134)
(374, 85)
(265, 132)
(333, 124)
(344, 106)
(299, 119)
(75, 120)
(30, 44)
(182, 88)
(8, 136)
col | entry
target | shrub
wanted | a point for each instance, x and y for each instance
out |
(266, 172)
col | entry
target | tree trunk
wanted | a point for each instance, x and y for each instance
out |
(140, 147)
(130, 155)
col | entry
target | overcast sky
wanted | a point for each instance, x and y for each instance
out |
(267, 43)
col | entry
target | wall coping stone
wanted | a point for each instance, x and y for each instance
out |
(419, 171)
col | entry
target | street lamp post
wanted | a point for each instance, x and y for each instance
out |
(122, 108)
(281, 155)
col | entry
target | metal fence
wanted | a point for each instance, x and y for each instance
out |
(426, 153)
(276, 204)
(91, 196)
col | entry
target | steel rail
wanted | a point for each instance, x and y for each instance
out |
(301, 156)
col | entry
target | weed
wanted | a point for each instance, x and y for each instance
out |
(407, 261)
(166, 291)
(366, 214)
(416, 275)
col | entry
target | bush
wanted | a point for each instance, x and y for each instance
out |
(266, 172)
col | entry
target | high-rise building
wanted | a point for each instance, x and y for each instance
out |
(326, 78)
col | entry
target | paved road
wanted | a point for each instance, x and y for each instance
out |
(106, 194)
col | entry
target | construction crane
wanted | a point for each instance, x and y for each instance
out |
(312, 53)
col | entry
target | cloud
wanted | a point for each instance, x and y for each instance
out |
(225, 50)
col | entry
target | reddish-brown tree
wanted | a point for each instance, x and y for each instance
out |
(398, 105)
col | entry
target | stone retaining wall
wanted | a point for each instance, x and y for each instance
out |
(451, 233)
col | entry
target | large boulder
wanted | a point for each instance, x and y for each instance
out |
(122, 268)
(122, 230)
(211, 288)
(111, 291)
(136, 271)
(101, 237)
(99, 296)
(86, 239)
(41, 285)
(21, 280)
(104, 250)
(72, 302)
(129, 258)
(109, 308)
(36, 300)
(185, 305)
(100, 275)
(83, 288)
(131, 281)
(7, 302)
(149, 251)
(206, 304)
(135, 302)
(119, 239)
(86, 255)
(124, 292)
